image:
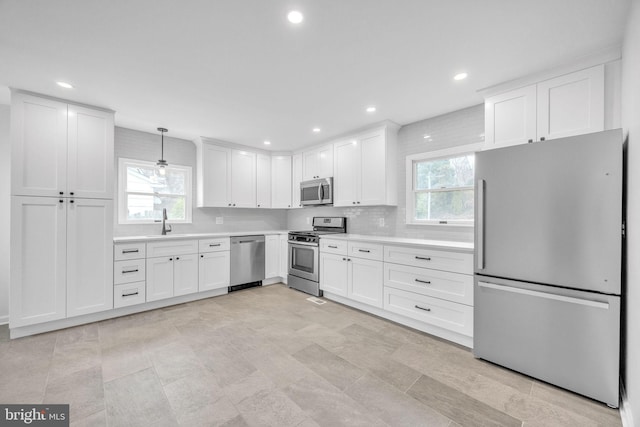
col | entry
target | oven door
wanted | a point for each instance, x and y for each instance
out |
(303, 260)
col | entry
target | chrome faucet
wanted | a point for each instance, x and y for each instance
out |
(165, 228)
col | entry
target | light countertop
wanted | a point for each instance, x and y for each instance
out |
(171, 236)
(387, 240)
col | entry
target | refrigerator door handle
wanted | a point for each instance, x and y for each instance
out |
(480, 226)
(545, 295)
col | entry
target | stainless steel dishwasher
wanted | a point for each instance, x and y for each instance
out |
(247, 262)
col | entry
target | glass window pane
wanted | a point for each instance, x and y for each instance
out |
(142, 207)
(141, 179)
(172, 183)
(445, 205)
(444, 173)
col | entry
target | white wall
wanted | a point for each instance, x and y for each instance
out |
(5, 203)
(631, 125)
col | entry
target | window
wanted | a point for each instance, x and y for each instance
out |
(143, 192)
(440, 187)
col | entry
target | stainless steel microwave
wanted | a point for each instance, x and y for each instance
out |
(316, 192)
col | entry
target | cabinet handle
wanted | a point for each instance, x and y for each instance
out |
(217, 244)
(229, 204)
(130, 295)
(201, 256)
(177, 258)
(344, 259)
(353, 203)
(288, 206)
(130, 251)
(542, 138)
(61, 193)
(234, 204)
(170, 259)
(71, 193)
(530, 141)
(426, 282)
(129, 271)
(358, 202)
(422, 308)
(348, 259)
(364, 250)
(332, 247)
(71, 201)
(424, 258)
(61, 201)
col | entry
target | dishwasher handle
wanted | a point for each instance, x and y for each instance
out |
(247, 239)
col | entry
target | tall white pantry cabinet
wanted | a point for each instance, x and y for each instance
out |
(61, 210)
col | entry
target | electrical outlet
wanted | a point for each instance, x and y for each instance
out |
(308, 220)
(219, 220)
(381, 222)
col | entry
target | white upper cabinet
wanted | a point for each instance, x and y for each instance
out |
(60, 149)
(296, 173)
(214, 175)
(365, 169)
(571, 104)
(243, 179)
(226, 177)
(263, 181)
(281, 182)
(318, 163)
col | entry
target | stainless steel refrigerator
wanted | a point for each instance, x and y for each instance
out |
(547, 286)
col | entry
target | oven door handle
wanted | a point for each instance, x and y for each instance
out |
(291, 242)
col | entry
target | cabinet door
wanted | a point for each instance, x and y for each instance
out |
(243, 179)
(572, 104)
(90, 153)
(281, 182)
(346, 172)
(159, 278)
(38, 146)
(263, 181)
(310, 165)
(185, 274)
(89, 256)
(333, 273)
(272, 256)
(325, 161)
(372, 179)
(365, 281)
(284, 256)
(38, 260)
(510, 118)
(216, 176)
(297, 179)
(214, 270)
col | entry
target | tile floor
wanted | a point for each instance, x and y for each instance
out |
(266, 356)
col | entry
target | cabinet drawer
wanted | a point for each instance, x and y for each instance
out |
(366, 250)
(454, 287)
(445, 314)
(176, 247)
(128, 271)
(457, 262)
(128, 251)
(128, 294)
(338, 247)
(214, 245)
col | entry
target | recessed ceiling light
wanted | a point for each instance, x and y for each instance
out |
(65, 85)
(427, 136)
(295, 17)
(316, 130)
(460, 76)
(267, 143)
(371, 109)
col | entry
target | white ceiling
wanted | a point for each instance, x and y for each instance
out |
(238, 71)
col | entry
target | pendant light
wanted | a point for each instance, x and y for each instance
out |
(162, 163)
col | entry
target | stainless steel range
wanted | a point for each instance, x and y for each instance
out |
(304, 256)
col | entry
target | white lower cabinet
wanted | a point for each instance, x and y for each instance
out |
(356, 278)
(172, 275)
(272, 256)
(128, 294)
(334, 273)
(61, 258)
(214, 270)
(393, 281)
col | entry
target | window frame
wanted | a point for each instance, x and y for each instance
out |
(411, 162)
(123, 163)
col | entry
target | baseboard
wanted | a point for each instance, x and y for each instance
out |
(4, 320)
(625, 408)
